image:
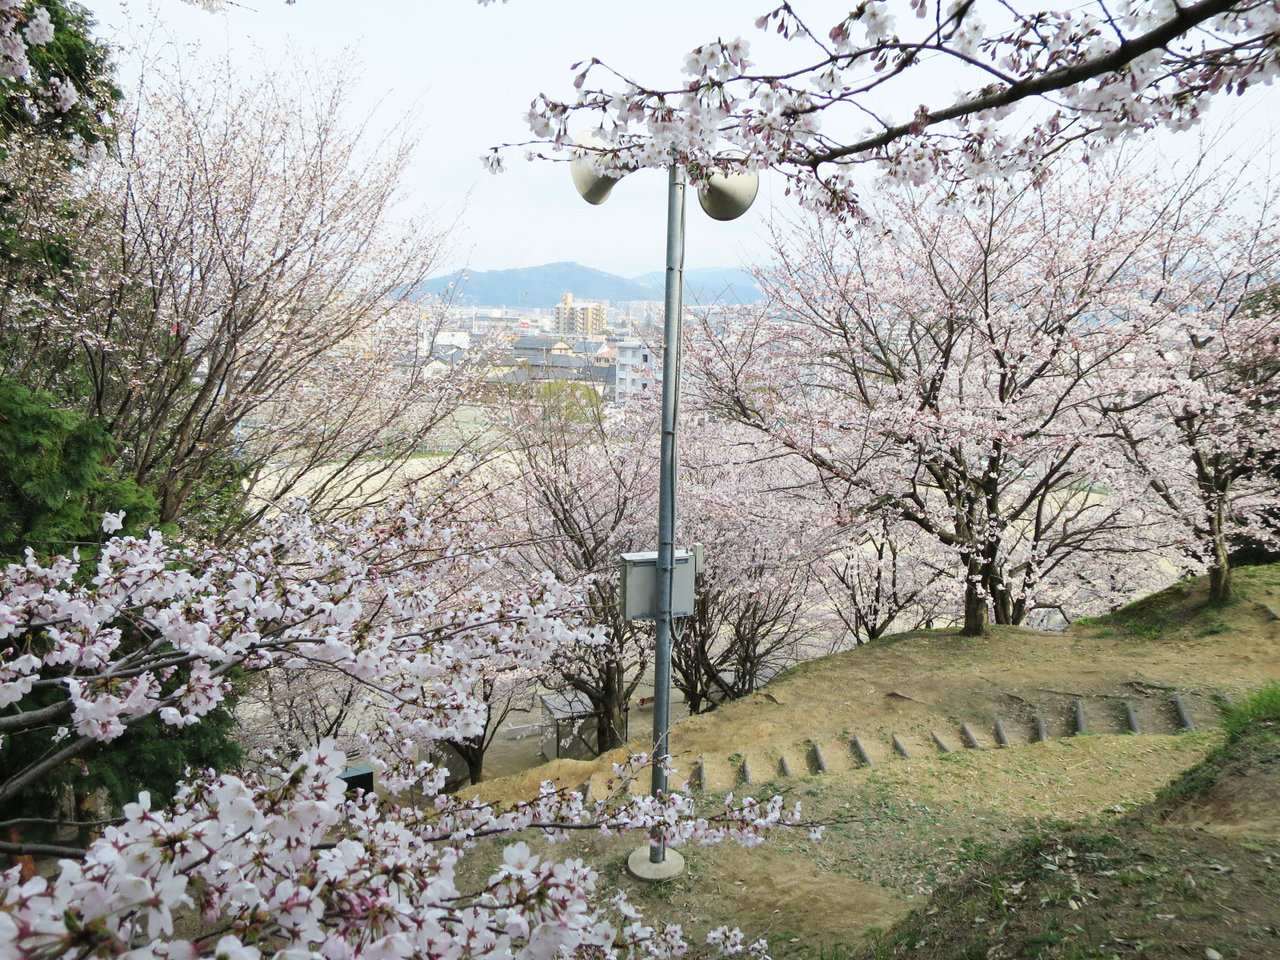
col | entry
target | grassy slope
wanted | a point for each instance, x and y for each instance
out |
(1055, 850)
(1193, 873)
(1161, 882)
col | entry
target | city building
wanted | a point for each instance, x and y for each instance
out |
(579, 319)
(637, 370)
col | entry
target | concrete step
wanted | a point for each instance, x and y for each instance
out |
(1153, 715)
(1101, 715)
(1205, 711)
(1140, 713)
(837, 753)
(719, 773)
(796, 760)
(972, 738)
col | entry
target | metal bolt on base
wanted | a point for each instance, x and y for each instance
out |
(641, 867)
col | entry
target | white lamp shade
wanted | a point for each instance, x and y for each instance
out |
(729, 197)
(594, 187)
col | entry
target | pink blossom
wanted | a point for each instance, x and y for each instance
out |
(39, 28)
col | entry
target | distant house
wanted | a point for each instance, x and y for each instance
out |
(437, 362)
(508, 375)
(539, 349)
(537, 358)
(451, 338)
(558, 366)
(637, 370)
(598, 352)
(577, 369)
(607, 355)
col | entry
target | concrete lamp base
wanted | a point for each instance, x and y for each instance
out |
(638, 865)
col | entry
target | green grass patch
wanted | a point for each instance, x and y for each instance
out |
(1151, 616)
(1118, 887)
(1182, 606)
(1252, 729)
(1260, 710)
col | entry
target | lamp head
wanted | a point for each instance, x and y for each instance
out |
(728, 197)
(593, 187)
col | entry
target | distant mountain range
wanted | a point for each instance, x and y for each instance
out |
(530, 288)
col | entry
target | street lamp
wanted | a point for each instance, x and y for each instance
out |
(723, 197)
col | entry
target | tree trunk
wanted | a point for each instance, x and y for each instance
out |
(611, 725)
(471, 751)
(977, 621)
(1220, 590)
(1005, 610)
(1220, 569)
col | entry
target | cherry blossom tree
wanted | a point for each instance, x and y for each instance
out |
(1032, 80)
(890, 577)
(282, 863)
(260, 277)
(280, 715)
(757, 605)
(500, 690)
(580, 489)
(283, 713)
(227, 297)
(586, 483)
(944, 367)
(1198, 418)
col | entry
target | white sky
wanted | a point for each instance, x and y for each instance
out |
(464, 76)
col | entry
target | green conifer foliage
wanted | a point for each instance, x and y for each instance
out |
(56, 479)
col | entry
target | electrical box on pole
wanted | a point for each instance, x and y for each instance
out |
(639, 583)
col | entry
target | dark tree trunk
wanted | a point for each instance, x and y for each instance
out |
(977, 619)
(1220, 587)
(1220, 568)
(611, 725)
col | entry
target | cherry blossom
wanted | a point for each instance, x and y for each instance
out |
(1197, 418)
(286, 857)
(945, 365)
(1030, 80)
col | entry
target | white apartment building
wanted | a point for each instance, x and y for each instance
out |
(638, 370)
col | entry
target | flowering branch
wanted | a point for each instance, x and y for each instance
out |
(1100, 72)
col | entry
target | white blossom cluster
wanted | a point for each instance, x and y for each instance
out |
(1009, 394)
(22, 27)
(287, 858)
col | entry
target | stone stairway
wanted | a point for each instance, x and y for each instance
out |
(1141, 711)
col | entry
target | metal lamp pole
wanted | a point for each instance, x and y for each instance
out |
(723, 198)
(671, 335)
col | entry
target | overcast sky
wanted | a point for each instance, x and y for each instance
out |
(464, 75)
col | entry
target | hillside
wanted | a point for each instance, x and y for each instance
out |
(1191, 874)
(906, 829)
(529, 288)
